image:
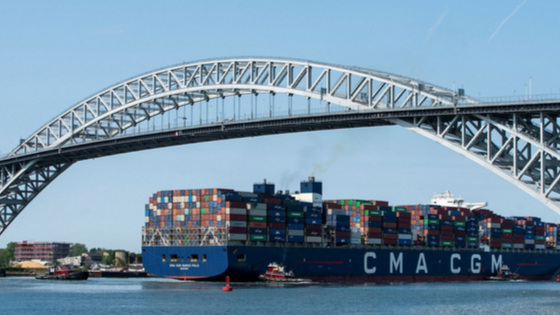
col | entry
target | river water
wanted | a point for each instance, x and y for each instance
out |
(160, 296)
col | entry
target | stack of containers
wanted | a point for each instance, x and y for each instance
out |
(389, 226)
(432, 229)
(338, 223)
(493, 230)
(518, 235)
(445, 228)
(551, 233)
(404, 231)
(236, 217)
(540, 232)
(529, 232)
(258, 218)
(507, 233)
(472, 229)
(276, 221)
(313, 224)
(459, 230)
(295, 220)
(557, 237)
(372, 224)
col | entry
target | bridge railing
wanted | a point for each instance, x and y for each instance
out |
(518, 98)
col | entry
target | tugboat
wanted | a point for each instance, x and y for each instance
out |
(277, 273)
(64, 273)
(504, 275)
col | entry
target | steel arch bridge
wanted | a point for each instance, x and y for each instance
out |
(518, 140)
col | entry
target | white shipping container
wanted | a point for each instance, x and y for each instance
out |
(295, 232)
(237, 237)
(355, 229)
(180, 217)
(494, 225)
(256, 206)
(313, 239)
(257, 212)
(520, 246)
(404, 236)
(198, 204)
(355, 241)
(169, 205)
(236, 223)
(219, 217)
(146, 219)
(236, 211)
(175, 199)
(214, 197)
(529, 241)
(158, 212)
(539, 246)
(187, 211)
(151, 207)
(336, 212)
(355, 235)
(374, 241)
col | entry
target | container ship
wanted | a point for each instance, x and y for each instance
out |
(208, 234)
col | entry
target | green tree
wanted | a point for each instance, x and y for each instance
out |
(3, 260)
(78, 249)
(11, 251)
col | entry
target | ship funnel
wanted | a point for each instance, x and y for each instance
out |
(264, 181)
(311, 179)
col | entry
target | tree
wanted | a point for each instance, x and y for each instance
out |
(11, 251)
(78, 249)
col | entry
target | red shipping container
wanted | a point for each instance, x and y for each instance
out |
(458, 218)
(403, 220)
(374, 235)
(403, 215)
(446, 237)
(369, 207)
(342, 234)
(380, 203)
(280, 226)
(459, 233)
(373, 230)
(446, 228)
(236, 204)
(431, 232)
(258, 225)
(387, 241)
(333, 206)
(404, 225)
(237, 230)
(389, 225)
(315, 227)
(389, 236)
(507, 235)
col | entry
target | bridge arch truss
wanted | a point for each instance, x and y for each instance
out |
(518, 147)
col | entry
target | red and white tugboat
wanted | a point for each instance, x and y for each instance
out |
(505, 275)
(278, 273)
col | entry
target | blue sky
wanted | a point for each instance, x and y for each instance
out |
(54, 54)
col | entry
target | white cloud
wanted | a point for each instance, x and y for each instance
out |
(505, 20)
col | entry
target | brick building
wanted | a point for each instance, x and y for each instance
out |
(43, 251)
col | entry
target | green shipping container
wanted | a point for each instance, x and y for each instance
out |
(507, 245)
(431, 221)
(399, 209)
(257, 218)
(539, 237)
(292, 214)
(472, 239)
(459, 223)
(446, 243)
(202, 211)
(376, 213)
(254, 237)
(206, 198)
(507, 231)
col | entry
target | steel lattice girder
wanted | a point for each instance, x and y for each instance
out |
(110, 112)
(21, 184)
(521, 148)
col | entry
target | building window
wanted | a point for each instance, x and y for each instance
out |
(193, 258)
(163, 258)
(173, 258)
(241, 258)
(203, 257)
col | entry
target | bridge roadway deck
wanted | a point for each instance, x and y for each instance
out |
(267, 126)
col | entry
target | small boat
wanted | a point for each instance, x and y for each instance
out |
(64, 273)
(278, 273)
(504, 275)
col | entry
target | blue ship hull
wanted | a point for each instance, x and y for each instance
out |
(246, 263)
